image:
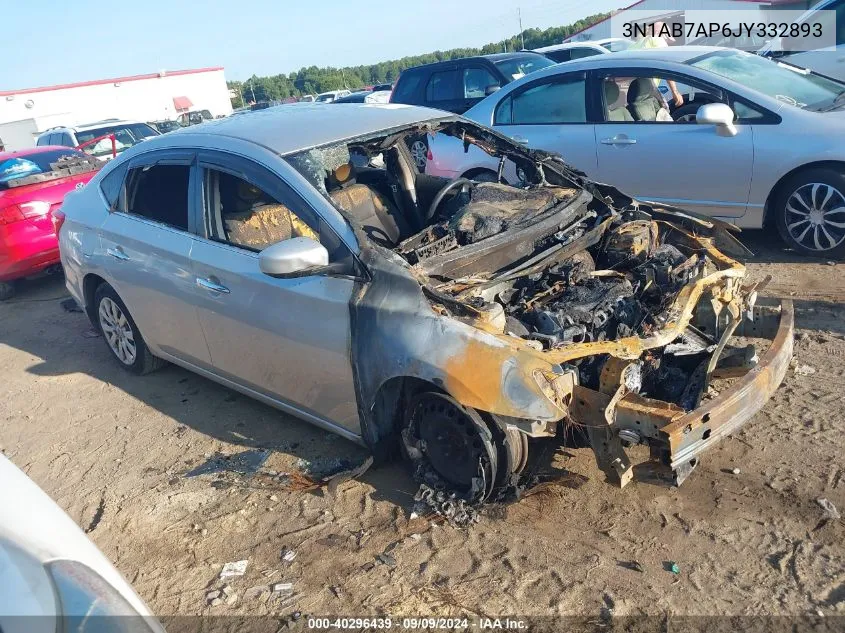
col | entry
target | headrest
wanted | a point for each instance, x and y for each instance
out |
(343, 173)
(611, 92)
(640, 89)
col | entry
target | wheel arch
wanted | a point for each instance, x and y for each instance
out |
(777, 190)
(386, 409)
(90, 283)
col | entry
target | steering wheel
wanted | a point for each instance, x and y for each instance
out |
(438, 199)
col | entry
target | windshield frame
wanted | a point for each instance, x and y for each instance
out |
(837, 100)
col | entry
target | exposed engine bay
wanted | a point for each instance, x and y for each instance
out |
(585, 310)
(622, 285)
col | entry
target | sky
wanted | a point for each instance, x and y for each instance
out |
(101, 39)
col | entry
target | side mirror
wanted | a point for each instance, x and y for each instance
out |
(491, 89)
(718, 114)
(292, 256)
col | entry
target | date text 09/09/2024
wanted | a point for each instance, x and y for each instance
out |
(410, 623)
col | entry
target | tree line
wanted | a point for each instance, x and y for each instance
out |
(314, 80)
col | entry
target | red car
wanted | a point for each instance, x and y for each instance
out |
(33, 183)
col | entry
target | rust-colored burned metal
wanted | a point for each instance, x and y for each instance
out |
(696, 431)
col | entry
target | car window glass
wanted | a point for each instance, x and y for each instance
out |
(160, 193)
(793, 86)
(442, 86)
(66, 140)
(560, 101)
(476, 82)
(583, 51)
(649, 99)
(246, 216)
(745, 112)
(406, 87)
(560, 56)
(112, 185)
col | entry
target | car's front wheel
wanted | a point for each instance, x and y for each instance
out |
(121, 334)
(810, 212)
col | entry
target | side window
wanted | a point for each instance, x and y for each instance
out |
(745, 113)
(651, 100)
(554, 102)
(112, 185)
(65, 140)
(160, 193)
(244, 215)
(476, 82)
(583, 51)
(442, 86)
(560, 56)
(43, 140)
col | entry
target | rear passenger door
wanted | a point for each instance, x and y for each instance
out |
(145, 247)
(444, 90)
(551, 114)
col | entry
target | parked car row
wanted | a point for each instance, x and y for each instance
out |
(721, 153)
(33, 184)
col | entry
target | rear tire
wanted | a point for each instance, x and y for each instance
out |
(809, 212)
(7, 290)
(120, 333)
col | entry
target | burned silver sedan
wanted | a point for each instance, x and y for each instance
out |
(298, 256)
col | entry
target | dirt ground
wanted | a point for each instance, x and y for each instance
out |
(113, 449)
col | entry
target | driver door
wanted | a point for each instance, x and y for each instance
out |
(652, 157)
(284, 339)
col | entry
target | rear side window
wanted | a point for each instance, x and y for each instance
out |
(112, 185)
(43, 140)
(407, 86)
(160, 193)
(560, 56)
(559, 101)
(583, 51)
(442, 86)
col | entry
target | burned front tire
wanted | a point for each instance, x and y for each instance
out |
(454, 443)
(457, 448)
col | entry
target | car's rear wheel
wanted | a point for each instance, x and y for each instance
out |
(122, 336)
(810, 212)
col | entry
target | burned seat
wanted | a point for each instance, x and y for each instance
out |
(254, 220)
(369, 208)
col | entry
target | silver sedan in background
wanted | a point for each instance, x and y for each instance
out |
(767, 146)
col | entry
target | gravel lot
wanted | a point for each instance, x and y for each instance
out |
(113, 449)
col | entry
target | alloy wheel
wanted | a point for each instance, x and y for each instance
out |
(815, 216)
(117, 331)
(419, 152)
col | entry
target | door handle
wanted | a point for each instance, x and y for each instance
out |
(117, 253)
(208, 284)
(520, 139)
(619, 140)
